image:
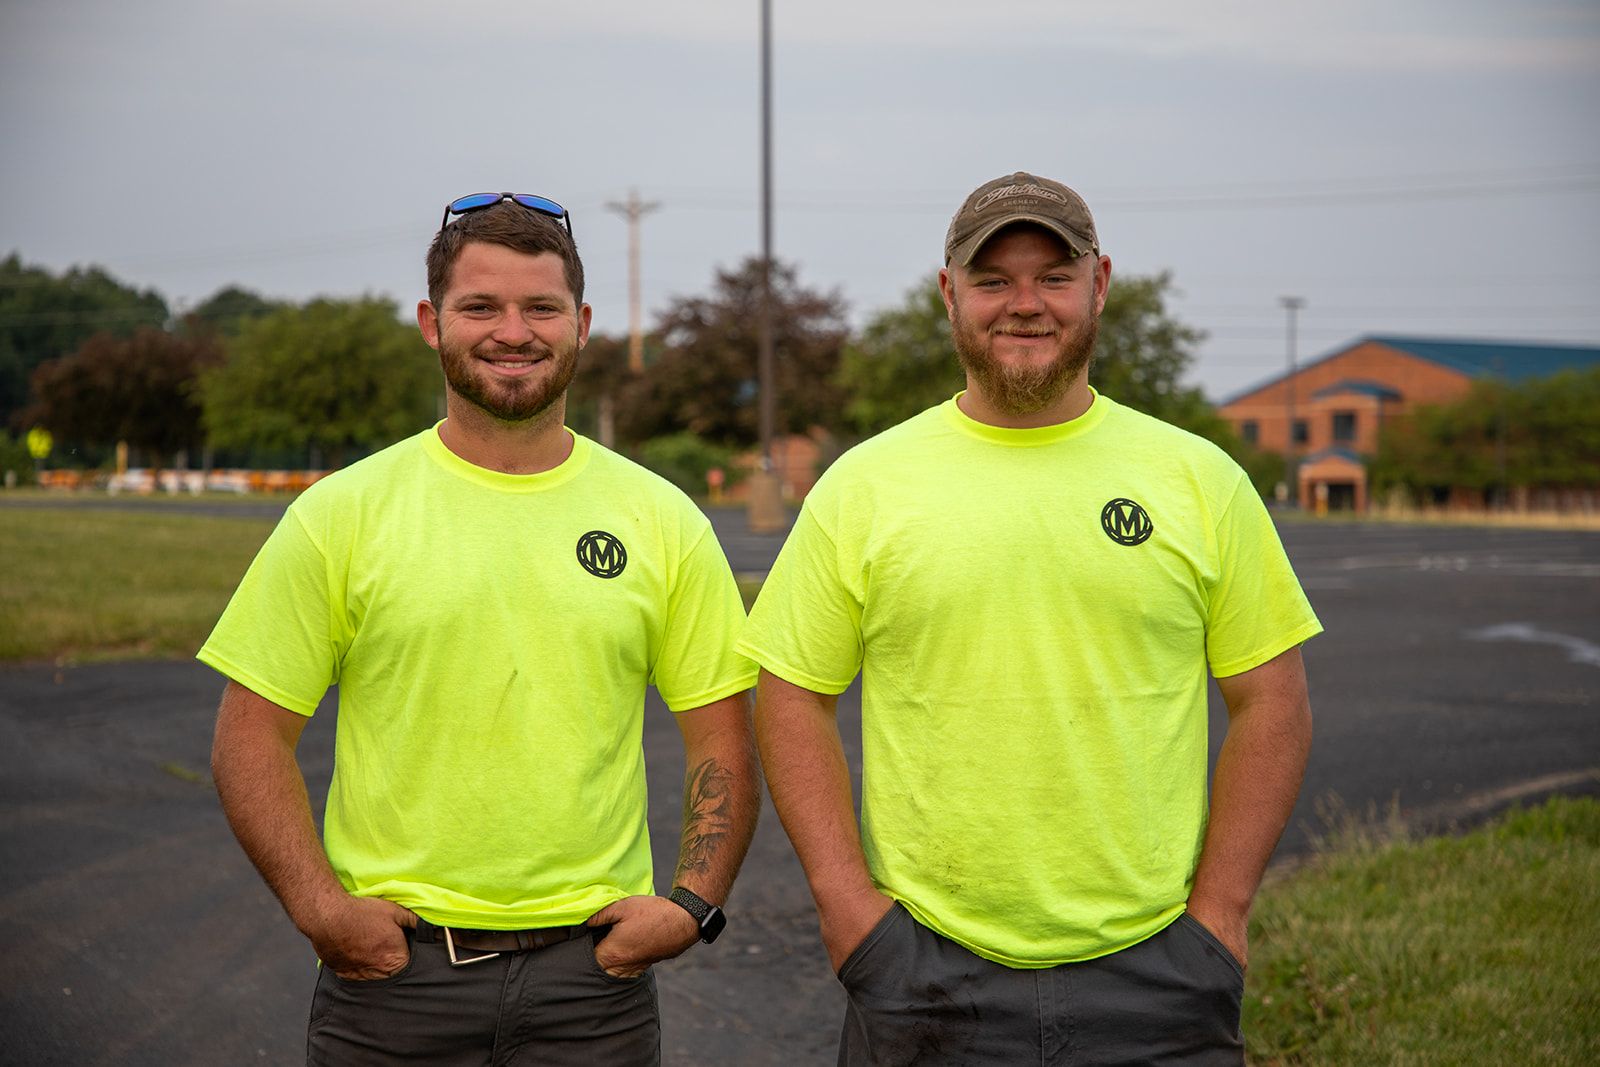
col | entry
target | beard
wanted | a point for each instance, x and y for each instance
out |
(509, 399)
(1028, 389)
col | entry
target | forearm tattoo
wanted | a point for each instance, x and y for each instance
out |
(707, 815)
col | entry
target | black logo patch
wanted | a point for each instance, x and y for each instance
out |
(1125, 522)
(601, 554)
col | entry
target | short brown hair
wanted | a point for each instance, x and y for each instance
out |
(512, 226)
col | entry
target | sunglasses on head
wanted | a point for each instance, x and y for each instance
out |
(473, 201)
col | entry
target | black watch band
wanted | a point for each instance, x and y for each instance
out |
(706, 915)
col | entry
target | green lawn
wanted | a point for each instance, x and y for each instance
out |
(77, 583)
(1471, 949)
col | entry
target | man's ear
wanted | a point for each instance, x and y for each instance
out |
(428, 323)
(947, 290)
(585, 313)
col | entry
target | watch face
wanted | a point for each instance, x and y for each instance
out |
(713, 925)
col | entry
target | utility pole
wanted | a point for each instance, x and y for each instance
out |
(633, 211)
(1292, 305)
(766, 492)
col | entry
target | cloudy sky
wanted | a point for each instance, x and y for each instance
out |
(1406, 166)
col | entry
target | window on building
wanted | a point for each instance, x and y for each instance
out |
(1302, 432)
(1249, 430)
(1344, 427)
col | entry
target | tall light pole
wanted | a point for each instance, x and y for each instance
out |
(1292, 305)
(766, 492)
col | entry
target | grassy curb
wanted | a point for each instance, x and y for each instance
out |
(1472, 949)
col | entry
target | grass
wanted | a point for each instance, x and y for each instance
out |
(79, 584)
(1470, 949)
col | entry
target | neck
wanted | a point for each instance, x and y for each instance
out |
(1073, 402)
(539, 444)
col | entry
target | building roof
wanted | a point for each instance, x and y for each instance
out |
(1515, 361)
(1341, 453)
(1357, 385)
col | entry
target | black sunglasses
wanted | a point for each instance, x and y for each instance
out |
(542, 204)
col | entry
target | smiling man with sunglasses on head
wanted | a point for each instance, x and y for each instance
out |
(492, 597)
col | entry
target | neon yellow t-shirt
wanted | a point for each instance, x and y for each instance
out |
(1032, 613)
(492, 636)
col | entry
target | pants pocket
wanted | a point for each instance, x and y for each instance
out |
(1213, 945)
(859, 963)
(595, 938)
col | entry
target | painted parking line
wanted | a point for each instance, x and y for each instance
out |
(1578, 650)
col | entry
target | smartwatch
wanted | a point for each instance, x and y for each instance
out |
(706, 915)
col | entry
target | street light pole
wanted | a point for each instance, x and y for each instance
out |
(766, 492)
(1292, 305)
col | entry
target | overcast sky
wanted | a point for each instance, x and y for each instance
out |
(1408, 166)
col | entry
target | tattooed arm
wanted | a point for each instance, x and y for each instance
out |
(721, 799)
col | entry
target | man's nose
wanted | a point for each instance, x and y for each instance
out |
(1024, 300)
(512, 330)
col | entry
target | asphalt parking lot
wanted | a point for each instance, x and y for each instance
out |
(1460, 673)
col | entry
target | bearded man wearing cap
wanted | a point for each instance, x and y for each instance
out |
(1033, 582)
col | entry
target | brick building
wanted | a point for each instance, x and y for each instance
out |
(1342, 402)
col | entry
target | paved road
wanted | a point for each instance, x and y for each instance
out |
(1461, 668)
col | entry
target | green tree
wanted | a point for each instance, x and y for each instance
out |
(705, 380)
(45, 317)
(901, 363)
(227, 310)
(336, 375)
(1543, 433)
(1143, 353)
(602, 372)
(138, 389)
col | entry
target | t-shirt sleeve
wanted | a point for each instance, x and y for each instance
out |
(806, 624)
(275, 637)
(1256, 607)
(697, 663)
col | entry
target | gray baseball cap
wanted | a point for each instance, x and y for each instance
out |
(1019, 197)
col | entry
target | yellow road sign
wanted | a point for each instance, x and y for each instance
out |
(40, 442)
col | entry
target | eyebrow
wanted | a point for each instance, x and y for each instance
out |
(1068, 261)
(494, 298)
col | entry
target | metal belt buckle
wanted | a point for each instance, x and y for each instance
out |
(450, 947)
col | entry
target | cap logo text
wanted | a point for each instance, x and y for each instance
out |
(1007, 191)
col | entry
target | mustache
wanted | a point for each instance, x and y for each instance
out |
(532, 348)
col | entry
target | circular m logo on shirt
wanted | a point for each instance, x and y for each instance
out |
(601, 554)
(1125, 522)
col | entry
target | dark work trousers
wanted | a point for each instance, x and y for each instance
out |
(549, 1006)
(918, 998)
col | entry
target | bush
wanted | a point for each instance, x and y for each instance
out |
(14, 457)
(683, 459)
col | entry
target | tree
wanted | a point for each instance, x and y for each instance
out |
(705, 381)
(1543, 433)
(227, 310)
(901, 363)
(1143, 352)
(334, 375)
(44, 317)
(602, 370)
(138, 389)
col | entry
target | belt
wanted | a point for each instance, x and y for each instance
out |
(494, 942)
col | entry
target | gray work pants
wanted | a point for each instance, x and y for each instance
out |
(552, 1005)
(918, 998)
